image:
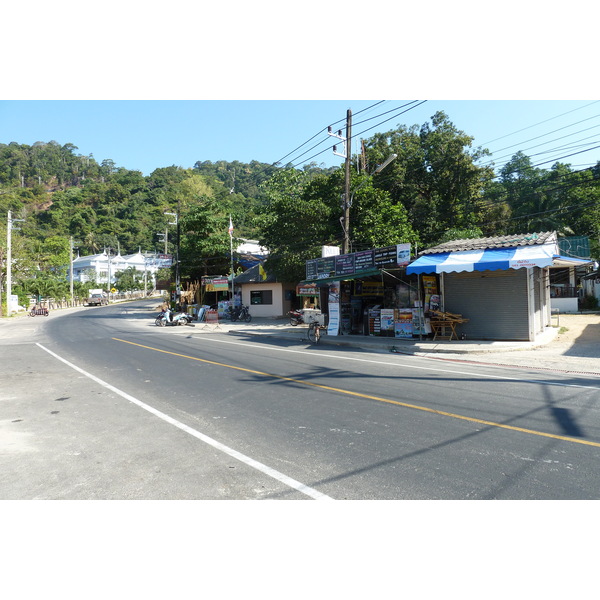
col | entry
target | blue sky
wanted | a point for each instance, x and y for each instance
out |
(150, 86)
(148, 134)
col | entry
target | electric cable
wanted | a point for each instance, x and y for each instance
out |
(321, 131)
(492, 161)
(327, 139)
(374, 126)
(540, 123)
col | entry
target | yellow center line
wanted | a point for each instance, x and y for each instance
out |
(369, 397)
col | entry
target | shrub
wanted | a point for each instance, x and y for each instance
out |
(588, 303)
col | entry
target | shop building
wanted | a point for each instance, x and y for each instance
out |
(488, 288)
(500, 285)
(263, 294)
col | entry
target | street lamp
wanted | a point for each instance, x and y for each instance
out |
(385, 163)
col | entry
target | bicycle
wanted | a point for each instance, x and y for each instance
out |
(314, 332)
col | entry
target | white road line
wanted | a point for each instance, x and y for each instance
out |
(304, 489)
(411, 366)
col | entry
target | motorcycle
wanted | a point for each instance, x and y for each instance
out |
(296, 317)
(165, 318)
(238, 313)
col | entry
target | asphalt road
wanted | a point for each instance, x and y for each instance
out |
(98, 403)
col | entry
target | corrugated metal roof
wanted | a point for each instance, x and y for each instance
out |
(505, 241)
(252, 275)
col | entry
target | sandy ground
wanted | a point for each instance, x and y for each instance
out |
(576, 348)
(578, 328)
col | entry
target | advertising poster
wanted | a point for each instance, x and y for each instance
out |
(403, 255)
(404, 323)
(387, 319)
(420, 324)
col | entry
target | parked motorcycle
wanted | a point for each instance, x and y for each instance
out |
(165, 318)
(38, 310)
(238, 313)
(296, 317)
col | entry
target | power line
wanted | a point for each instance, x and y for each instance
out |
(543, 144)
(321, 131)
(370, 119)
(540, 123)
(370, 128)
(492, 161)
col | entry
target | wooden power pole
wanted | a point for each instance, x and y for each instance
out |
(346, 242)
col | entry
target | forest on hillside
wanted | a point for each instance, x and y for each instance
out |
(438, 188)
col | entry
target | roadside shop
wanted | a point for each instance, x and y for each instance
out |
(365, 293)
(499, 287)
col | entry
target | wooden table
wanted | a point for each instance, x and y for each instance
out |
(444, 322)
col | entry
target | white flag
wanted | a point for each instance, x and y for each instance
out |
(230, 227)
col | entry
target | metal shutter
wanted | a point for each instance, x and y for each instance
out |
(495, 302)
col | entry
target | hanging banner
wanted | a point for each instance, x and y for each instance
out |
(333, 327)
(159, 260)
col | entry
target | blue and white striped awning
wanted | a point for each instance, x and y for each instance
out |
(490, 259)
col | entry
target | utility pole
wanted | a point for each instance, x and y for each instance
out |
(71, 247)
(71, 269)
(177, 277)
(9, 228)
(345, 219)
(8, 262)
(346, 244)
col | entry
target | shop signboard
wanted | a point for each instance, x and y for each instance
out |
(215, 284)
(374, 321)
(13, 303)
(344, 265)
(364, 261)
(311, 269)
(368, 288)
(326, 267)
(307, 289)
(385, 257)
(402, 254)
(320, 268)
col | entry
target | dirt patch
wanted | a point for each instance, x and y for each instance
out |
(579, 328)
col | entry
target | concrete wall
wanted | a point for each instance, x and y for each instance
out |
(565, 305)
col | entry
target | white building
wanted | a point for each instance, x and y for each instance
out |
(102, 268)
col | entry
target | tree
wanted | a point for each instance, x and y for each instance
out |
(435, 176)
(377, 221)
(303, 214)
(295, 223)
(204, 248)
(129, 279)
